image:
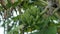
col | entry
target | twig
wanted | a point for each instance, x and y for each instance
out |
(44, 11)
(55, 10)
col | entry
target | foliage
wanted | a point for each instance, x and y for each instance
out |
(33, 18)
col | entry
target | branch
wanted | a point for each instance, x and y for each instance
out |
(44, 10)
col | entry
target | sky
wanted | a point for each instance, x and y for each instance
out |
(1, 30)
